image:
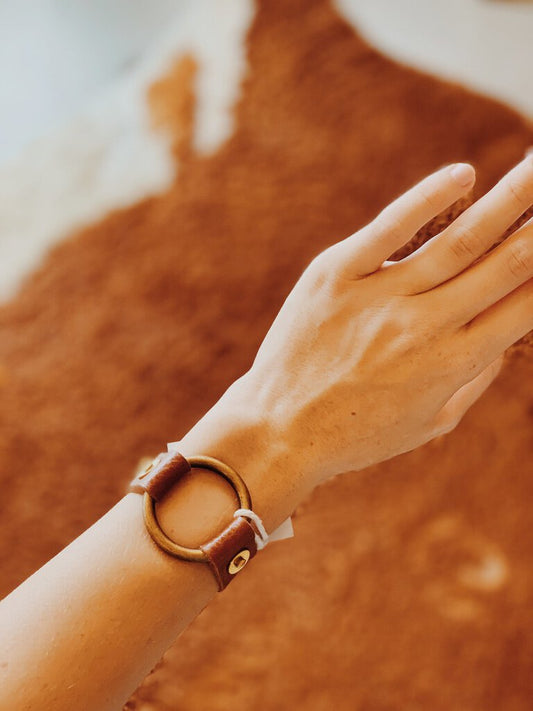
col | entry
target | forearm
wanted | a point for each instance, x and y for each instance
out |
(85, 629)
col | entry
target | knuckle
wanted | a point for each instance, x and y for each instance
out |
(389, 225)
(317, 266)
(520, 260)
(322, 270)
(412, 327)
(428, 200)
(519, 193)
(466, 244)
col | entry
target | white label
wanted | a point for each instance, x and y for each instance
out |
(284, 530)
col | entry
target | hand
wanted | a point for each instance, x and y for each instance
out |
(370, 358)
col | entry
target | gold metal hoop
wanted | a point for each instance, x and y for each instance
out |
(159, 536)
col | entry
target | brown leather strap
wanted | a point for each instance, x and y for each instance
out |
(161, 475)
(228, 553)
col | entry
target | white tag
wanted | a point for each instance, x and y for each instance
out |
(284, 530)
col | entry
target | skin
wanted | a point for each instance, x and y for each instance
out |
(367, 359)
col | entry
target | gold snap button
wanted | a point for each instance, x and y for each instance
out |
(147, 469)
(146, 466)
(239, 561)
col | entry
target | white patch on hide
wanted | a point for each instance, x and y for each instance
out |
(214, 33)
(109, 157)
(485, 45)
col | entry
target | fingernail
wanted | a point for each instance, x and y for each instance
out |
(463, 173)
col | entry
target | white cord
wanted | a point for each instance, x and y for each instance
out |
(262, 539)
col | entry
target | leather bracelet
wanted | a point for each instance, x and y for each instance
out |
(232, 548)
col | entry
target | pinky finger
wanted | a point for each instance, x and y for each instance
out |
(453, 411)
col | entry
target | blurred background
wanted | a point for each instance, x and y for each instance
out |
(55, 54)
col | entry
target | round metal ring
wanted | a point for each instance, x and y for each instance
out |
(159, 536)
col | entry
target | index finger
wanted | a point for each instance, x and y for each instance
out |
(365, 251)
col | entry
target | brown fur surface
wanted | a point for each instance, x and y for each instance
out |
(407, 586)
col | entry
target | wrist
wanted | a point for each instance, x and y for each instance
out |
(233, 432)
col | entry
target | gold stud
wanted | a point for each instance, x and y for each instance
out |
(239, 561)
(147, 470)
(143, 467)
(148, 465)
